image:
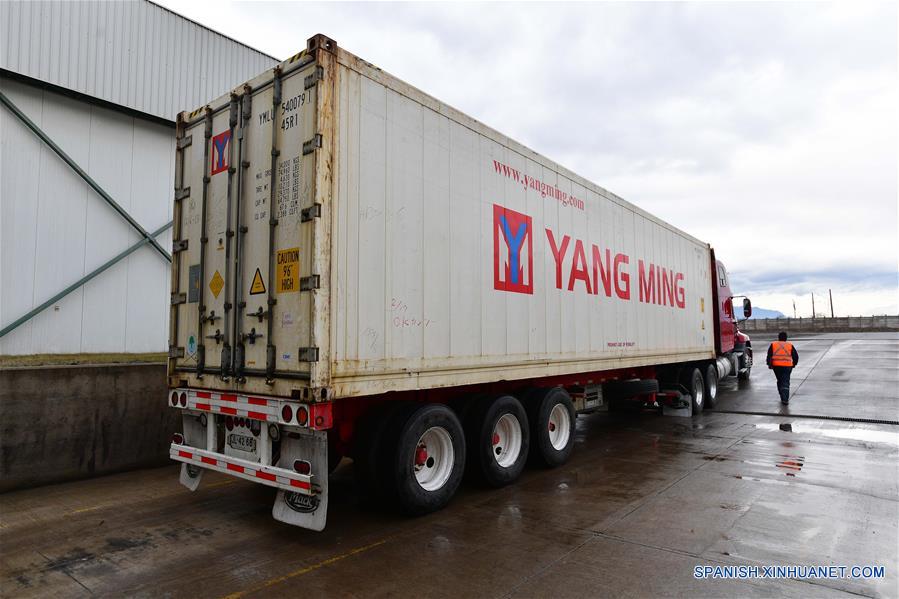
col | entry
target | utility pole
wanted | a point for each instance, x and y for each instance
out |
(830, 293)
(813, 304)
(794, 308)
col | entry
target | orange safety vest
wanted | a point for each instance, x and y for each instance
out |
(782, 354)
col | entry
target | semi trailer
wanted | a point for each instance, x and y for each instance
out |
(360, 270)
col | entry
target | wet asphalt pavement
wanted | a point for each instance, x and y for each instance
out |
(644, 500)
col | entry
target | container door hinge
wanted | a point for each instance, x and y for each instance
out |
(309, 283)
(180, 194)
(185, 141)
(176, 352)
(307, 354)
(313, 211)
(314, 78)
(178, 298)
(179, 245)
(313, 144)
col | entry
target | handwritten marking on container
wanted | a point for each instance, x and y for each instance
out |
(288, 265)
(402, 319)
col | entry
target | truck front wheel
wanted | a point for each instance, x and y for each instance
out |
(551, 417)
(429, 459)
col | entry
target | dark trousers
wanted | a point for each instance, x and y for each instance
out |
(783, 381)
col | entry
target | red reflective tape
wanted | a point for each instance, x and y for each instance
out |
(232, 411)
(208, 460)
(256, 401)
(235, 468)
(185, 454)
(257, 415)
(228, 397)
(300, 484)
(265, 475)
(204, 406)
(204, 394)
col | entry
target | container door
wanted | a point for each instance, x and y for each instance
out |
(202, 282)
(272, 327)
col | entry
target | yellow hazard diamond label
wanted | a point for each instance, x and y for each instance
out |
(216, 284)
(257, 286)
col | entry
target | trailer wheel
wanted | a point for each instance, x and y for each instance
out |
(711, 385)
(551, 417)
(428, 458)
(497, 435)
(694, 383)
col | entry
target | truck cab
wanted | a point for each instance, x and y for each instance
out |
(729, 340)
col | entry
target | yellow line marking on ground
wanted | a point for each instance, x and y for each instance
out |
(221, 483)
(89, 509)
(306, 570)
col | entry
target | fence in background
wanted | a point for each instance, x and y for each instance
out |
(821, 325)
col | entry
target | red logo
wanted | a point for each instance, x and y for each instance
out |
(220, 151)
(512, 233)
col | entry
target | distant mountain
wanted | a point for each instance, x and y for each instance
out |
(762, 313)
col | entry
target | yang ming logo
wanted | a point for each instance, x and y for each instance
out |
(219, 149)
(513, 255)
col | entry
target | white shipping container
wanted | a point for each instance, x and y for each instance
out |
(363, 237)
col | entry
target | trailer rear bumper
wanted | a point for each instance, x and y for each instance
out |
(271, 476)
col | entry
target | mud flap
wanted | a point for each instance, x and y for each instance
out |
(307, 511)
(194, 436)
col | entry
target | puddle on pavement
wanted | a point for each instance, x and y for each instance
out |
(791, 463)
(851, 434)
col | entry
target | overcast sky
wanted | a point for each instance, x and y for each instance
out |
(767, 129)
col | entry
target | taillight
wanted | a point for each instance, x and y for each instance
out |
(174, 398)
(302, 415)
(229, 423)
(302, 466)
(178, 439)
(183, 400)
(256, 428)
(286, 413)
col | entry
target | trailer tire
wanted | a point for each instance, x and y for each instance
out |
(427, 458)
(551, 416)
(711, 385)
(497, 437)
(695, 384)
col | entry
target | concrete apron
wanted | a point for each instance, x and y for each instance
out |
(61, 423)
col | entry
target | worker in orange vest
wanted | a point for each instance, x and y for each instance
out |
(782, 358)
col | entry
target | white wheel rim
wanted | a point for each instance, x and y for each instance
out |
(506, 441)
(433, 458)
(713, 386)
(698, 391)
(559, 426)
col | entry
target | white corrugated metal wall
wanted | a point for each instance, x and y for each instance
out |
(131, 53)
(54, 229)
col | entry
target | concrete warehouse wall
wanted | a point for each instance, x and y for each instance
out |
(811, 325)
(62, 423)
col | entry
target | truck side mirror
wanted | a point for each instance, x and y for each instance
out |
(747, 307)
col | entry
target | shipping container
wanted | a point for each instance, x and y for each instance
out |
(343, 240)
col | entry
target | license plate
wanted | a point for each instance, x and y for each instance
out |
(242, 443)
